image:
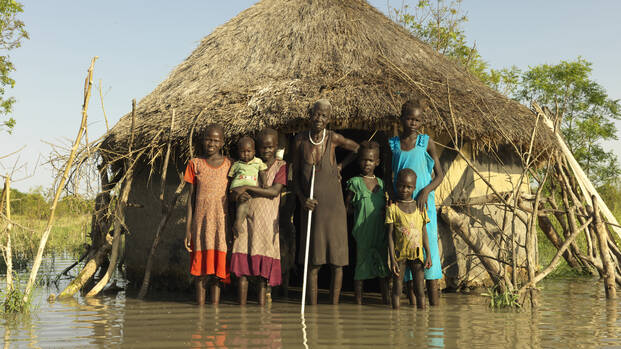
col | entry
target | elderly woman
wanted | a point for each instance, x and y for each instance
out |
(328, 235)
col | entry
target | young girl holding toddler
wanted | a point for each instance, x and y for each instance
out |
(366, 196)
(206, 229)
(256, 249)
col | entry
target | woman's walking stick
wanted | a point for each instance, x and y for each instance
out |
(308, 232)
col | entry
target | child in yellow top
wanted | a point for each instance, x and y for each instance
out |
(247, 171)
(407, 237)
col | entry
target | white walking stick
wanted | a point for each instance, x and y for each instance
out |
(308, 232)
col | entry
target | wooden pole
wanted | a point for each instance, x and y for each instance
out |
(48, 228)
(609, 270)
(102, 107)
(8, 250)
(308, 232)
(166, 159)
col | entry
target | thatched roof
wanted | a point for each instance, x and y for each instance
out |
(268, 64)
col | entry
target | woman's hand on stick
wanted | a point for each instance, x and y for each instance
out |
(310, 204)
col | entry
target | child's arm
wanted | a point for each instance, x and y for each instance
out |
(188, 224)
(348, 144)
(421, 200)
(426, 247)
(388, 177)
(269, 192)
(262, 179)
(349, 196)
(394, 266)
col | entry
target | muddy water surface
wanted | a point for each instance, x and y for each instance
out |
(573, 313)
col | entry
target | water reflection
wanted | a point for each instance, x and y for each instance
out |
(572, 312)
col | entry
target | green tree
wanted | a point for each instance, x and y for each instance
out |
(12, 32)
(586, 113)
(440, 24)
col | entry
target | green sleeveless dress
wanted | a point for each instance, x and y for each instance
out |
(369, 229)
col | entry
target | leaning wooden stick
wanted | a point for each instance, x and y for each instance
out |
(48, 228)
(609, 270)
(8, 250)
(308, 232)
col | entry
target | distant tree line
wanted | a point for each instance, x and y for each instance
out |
(35, 204)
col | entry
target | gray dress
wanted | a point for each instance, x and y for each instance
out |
(328, 240)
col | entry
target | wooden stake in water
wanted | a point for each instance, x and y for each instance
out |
(308, 232)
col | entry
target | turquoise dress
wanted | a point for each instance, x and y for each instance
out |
(420, 162)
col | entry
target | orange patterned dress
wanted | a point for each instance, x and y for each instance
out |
(209, 219)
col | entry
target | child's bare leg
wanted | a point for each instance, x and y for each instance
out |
(240, 215)
(200, 289)
(418, 275)
(261, 290)
(409, 290)
(214, 290)
(312, 290)
(384, 290)
(358, 290)
(397, 286)
(433, 292)
(336, 283)
(284, 286)
(242, 290)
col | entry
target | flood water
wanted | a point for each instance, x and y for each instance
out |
(572, 313)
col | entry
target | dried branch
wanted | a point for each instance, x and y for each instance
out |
(50, 222)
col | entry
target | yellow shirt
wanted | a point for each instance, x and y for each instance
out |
(408, 232)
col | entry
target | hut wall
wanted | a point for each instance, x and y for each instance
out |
(462, 268)
(492, 224)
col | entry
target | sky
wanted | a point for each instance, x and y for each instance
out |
(139, 43)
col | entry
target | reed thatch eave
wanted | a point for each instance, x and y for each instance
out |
(268, 64)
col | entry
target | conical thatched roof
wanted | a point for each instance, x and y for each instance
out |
(268, 64)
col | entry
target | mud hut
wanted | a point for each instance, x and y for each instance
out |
(266, 66)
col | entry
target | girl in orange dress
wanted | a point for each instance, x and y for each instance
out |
(206, 228)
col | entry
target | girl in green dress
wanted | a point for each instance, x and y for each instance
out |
(366, 197)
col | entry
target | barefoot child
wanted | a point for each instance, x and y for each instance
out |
(247, 171)
(365, 194)
(256, 250)
(417, 151)
(205, 236)
(407, 237)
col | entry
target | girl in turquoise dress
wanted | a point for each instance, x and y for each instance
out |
(418, 152)
(366, 196)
